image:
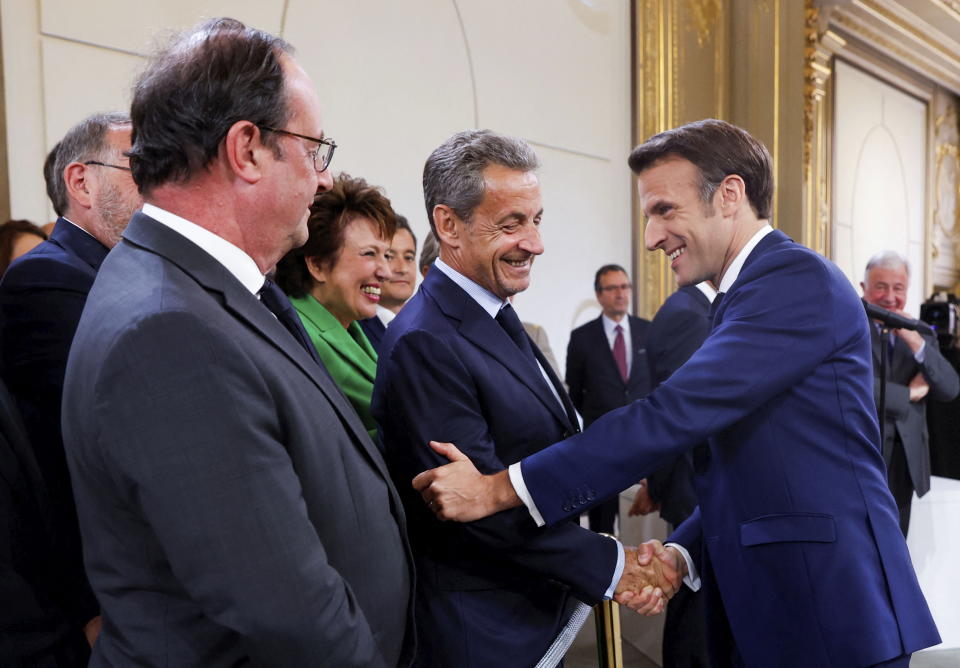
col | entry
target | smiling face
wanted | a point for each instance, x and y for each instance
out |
(403, 265)
(699, 241)
(350, 287)
(886, 287)
(497, 247)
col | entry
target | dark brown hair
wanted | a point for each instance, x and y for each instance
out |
(718, 149)
(349, 198)
(9, 232)
(192, 93)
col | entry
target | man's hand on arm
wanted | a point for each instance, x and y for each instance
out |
(652, 574)
(459, 492)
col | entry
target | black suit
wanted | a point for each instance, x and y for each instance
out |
(34, 630)
(906, 449)
(677, 331)
(41, 298)
(596, 386)
(232, 506)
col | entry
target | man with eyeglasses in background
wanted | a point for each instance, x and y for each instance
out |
(41, 298)
(607, 365)
(233, 508)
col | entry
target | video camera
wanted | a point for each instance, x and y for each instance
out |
(942, 313)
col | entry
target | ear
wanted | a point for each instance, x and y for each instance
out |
(245, 151)
(863, 287)
(75, 177)
(316, 269)
(445, 221)
(733, 194)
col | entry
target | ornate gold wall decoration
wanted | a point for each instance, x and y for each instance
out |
(944, 242)
(680, 75)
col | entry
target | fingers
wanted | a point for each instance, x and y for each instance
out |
(650, 601)
(448, 450)
(646, 551)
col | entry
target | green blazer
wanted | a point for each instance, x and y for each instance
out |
(347, 354)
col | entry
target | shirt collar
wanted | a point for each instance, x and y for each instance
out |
(733, 271)
(231, 257)
(385, 315)
(609, 324)
(488, 301)
(708, 290)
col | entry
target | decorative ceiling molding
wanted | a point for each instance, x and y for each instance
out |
(922, 35)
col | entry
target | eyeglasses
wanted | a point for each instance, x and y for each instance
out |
(104, 164)
(320, 161)
(611, 288)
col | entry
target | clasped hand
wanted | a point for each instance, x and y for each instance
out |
(652, 574)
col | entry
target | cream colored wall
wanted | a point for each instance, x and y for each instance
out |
(880, 178)
(396, 79)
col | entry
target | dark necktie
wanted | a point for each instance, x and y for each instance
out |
(511, 324)
(620, 352)
(715, 305)
(273, 298)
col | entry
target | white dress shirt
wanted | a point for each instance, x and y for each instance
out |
(236, 261)
(492, 304)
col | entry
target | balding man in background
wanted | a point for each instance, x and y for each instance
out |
(41, 298)
(916, 372)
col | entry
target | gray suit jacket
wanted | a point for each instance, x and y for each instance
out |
(232, 507)
(905, 418)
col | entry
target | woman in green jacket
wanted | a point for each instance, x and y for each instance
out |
(334, 280)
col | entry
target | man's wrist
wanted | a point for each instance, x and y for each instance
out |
(502, 494)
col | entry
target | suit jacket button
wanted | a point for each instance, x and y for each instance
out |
(591, 495)
(567, 507)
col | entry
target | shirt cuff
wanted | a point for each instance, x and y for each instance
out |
(520, 487)
(617, 573)
(921, 354)
(692, 578)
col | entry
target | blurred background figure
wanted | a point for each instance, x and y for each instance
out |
(336, 279)
(429, 253)
(607, 365)
(16, 238)
(915, 369)
(399, 286)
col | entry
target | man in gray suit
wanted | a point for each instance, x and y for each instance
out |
(915, 370)
(232, 507)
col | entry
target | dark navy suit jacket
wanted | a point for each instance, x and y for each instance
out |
(374, 329)
(494, 592)
(42, 296)
(677, 331)
(796, 520)
(592, 375)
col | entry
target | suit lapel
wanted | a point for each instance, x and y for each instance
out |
(214, 277)
(339, 339)
(485, 333)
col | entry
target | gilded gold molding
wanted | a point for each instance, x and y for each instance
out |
(703, 16)
(817, 70)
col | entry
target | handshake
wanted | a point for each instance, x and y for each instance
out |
(652, 574)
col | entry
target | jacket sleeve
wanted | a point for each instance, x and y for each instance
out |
(432, 397)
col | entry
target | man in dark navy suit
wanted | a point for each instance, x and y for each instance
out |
(796, 540)
(457, 364)
(41, 298)
(607, 365)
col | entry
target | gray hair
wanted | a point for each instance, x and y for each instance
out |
(430, 250)
(453, 174)
(887, 259)
(87, 140)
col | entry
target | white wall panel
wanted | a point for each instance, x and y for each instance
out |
(136, 26)
(880, 176)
